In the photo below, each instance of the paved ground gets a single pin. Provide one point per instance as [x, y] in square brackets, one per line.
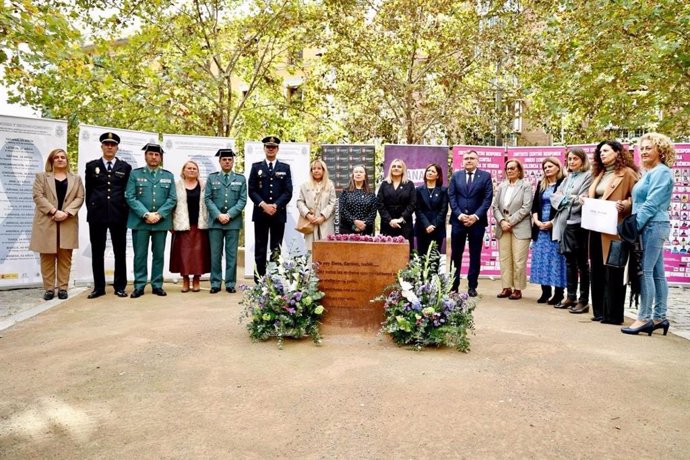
[177, 377]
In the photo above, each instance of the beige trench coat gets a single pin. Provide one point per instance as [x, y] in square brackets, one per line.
[323, 206]
[44, 229]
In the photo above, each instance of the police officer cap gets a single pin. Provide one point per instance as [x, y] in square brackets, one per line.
[109, 137]
[225, 153]
[270, 140]
[151, 147]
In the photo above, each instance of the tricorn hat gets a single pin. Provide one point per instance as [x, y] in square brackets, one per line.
[222, 153]
[151, 147]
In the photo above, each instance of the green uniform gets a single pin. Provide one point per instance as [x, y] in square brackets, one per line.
[225, 194]
[149, 192]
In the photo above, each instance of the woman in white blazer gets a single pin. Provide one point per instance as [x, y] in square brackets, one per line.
[316, 202]
[512, 209]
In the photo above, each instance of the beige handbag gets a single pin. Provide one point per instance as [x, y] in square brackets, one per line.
[304, 226]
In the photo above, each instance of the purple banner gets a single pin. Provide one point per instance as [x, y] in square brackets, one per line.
[416, 158]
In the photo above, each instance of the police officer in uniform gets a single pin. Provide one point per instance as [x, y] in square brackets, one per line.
[151, 197]
[107, 210]
[225, 198]
[270, 188]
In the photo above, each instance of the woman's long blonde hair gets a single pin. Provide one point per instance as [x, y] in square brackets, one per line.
[325, 181]
[51, 157]
[389, 179]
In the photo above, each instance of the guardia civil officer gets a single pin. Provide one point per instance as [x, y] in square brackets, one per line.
[270, 188]
[107, 211]
[225, 198]
[151, 198]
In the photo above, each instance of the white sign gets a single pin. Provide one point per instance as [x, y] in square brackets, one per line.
[600, 216]
[24, 147]
[297, 156]
[131, 143]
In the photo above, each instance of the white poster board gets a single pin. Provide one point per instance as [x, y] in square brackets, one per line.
[24, 147]
[178, 150]
[297, 156]
[130, 151]
[600, 216]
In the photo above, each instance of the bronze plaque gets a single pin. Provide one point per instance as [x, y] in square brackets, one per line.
[353, 273]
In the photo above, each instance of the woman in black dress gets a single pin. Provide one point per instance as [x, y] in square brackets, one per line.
[357, 205]
[396, 202]
[432, 208]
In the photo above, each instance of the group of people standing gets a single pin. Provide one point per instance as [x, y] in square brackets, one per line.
[205, 218]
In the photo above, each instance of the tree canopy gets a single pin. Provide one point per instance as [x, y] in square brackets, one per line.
[323, 71]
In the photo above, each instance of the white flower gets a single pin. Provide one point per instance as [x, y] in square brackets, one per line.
[407, 291]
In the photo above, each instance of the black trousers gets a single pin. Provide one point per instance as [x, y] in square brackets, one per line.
[475, 236]
[608, 289]
[263, 232]
[577, 267]
[98, 234]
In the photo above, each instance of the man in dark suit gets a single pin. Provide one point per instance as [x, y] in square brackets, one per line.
[470, 194]
[270, 188]
[107, 211]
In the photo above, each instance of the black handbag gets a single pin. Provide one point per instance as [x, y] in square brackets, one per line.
[568, 243]
[618, 254]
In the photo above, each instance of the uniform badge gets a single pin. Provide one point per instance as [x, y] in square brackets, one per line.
[98, 170]
[260, 172]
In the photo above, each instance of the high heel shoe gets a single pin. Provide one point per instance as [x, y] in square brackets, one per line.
[185, 284]
[195, 284]
[662, 325]
[647, 327]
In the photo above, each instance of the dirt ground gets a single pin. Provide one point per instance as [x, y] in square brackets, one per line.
[178, 377]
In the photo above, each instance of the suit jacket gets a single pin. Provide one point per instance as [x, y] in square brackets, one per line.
[321, 204]
[225, 197]
[181, 215]
[275, 188]
[395, 203]
[517, 212]
[44, 229]
[470, 200]
[431, 209]
[105, 192]
[619, 188]
[147, 194]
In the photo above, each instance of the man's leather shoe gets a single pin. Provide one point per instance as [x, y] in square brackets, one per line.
[565, 304]
[159, 291]
[214, 290]
[506, 292]
[579, 309]
[121, 293]
[231, 290]
[516, 295]
[472, 292]
[596, 318]
[49, 295]
[137, 293]
[62, 294]
[95, 294]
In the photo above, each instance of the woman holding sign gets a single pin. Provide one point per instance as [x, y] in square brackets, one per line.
[58, 195]
[651, 200]
[615, 174]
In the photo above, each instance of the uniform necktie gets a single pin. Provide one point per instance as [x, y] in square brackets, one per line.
[469, 179]
[270, 167]
[227, 176]
[153, 173]
[110, 166]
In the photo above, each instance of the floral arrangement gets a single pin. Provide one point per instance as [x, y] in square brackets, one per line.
[422, 310]
[285, 301]
[367, 238]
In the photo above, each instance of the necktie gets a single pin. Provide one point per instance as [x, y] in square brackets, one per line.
[469, 179]
[153, 173]
[227, 176]
[110, 166]
[270, 167]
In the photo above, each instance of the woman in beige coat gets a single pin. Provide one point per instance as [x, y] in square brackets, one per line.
[58, 195]
[316, 202]
[512, 210]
